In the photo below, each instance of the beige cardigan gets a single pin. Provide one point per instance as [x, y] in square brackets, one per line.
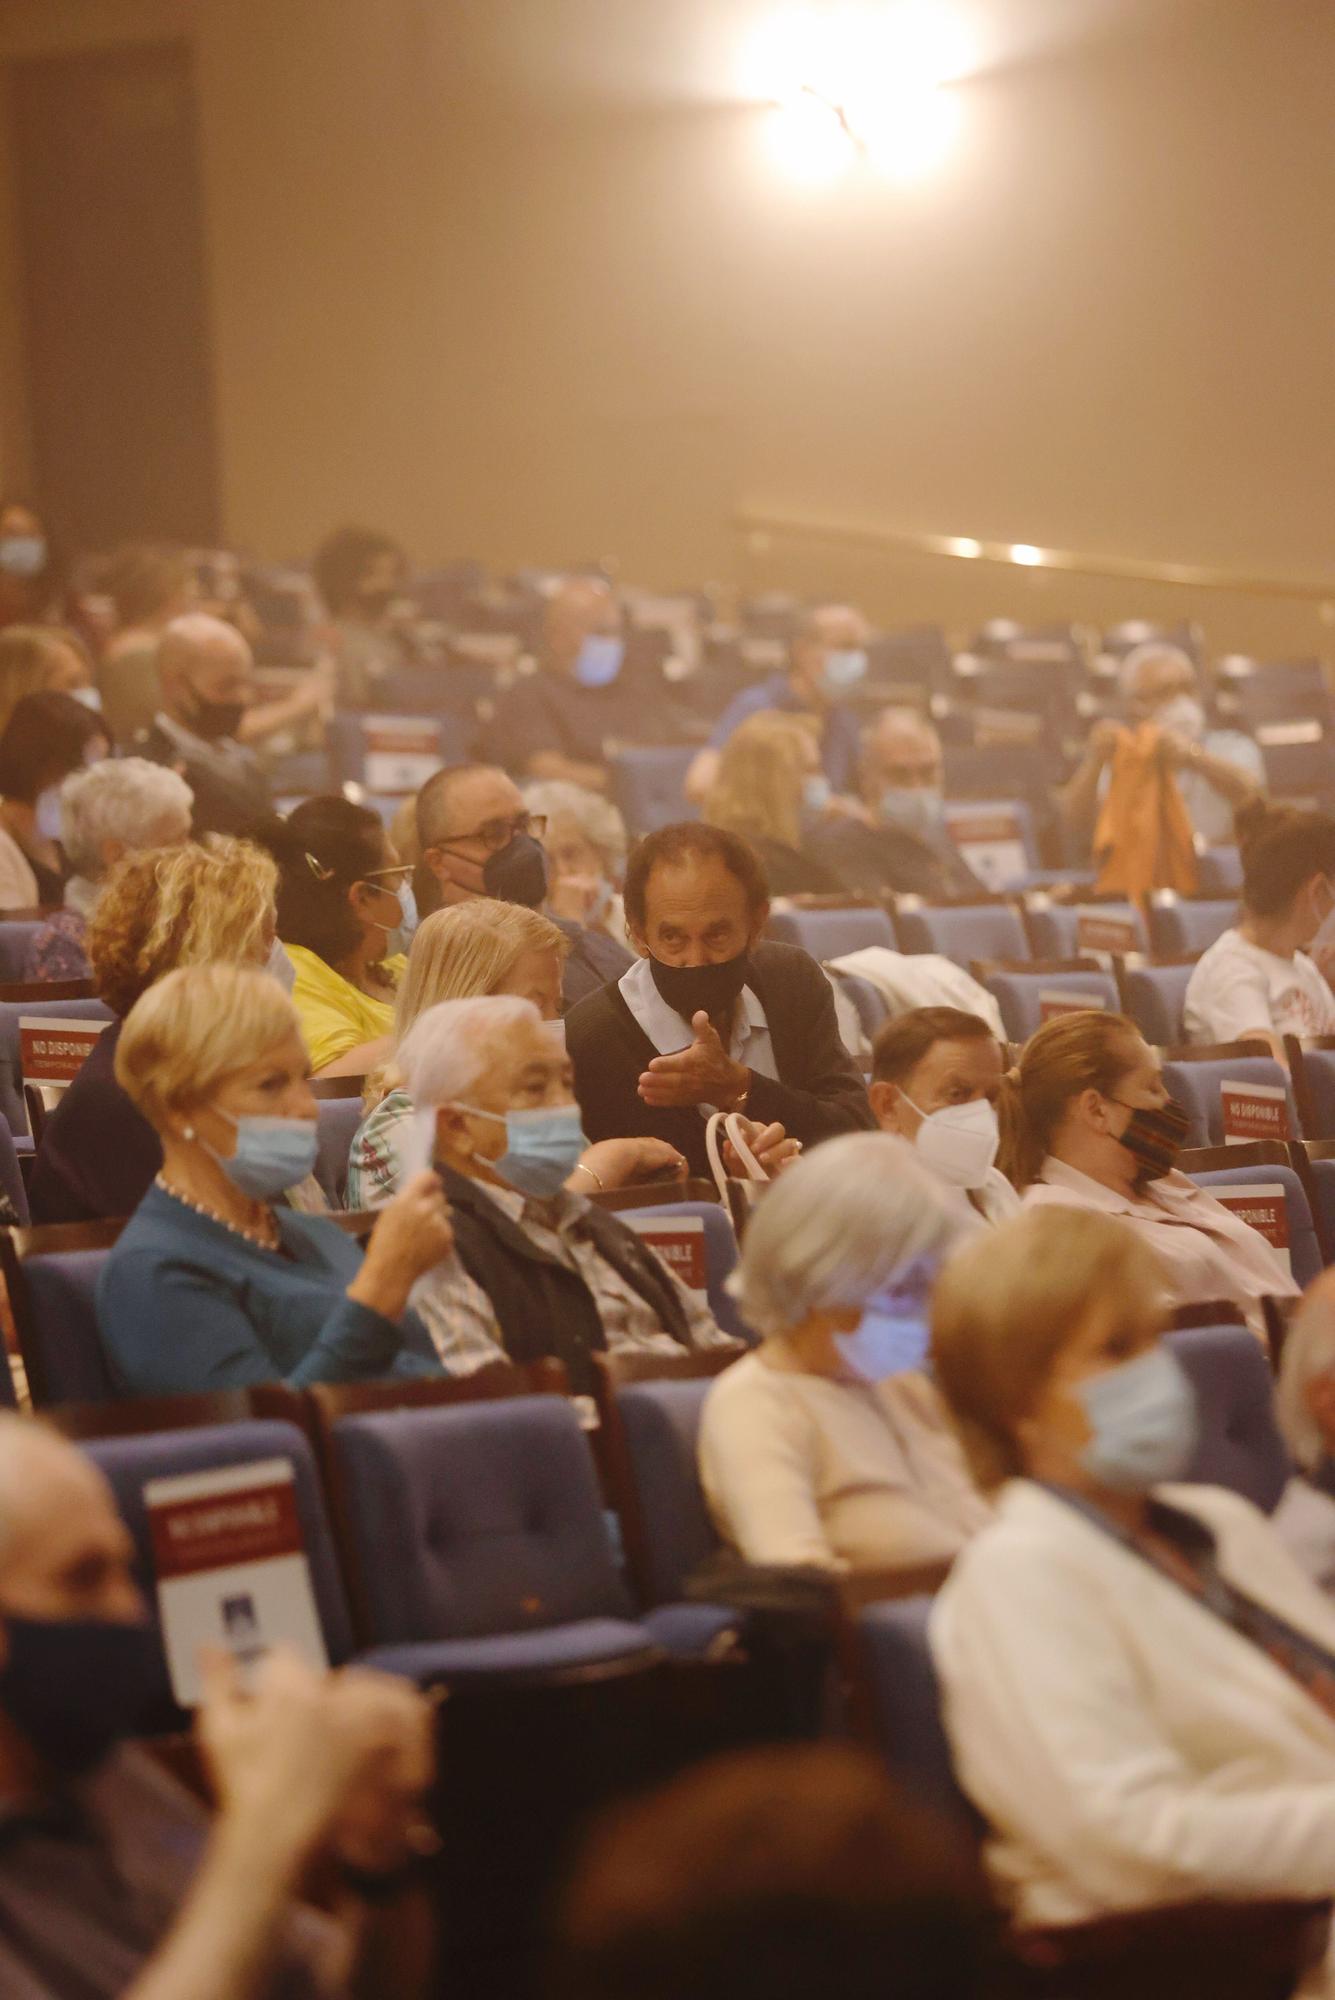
[18, 884]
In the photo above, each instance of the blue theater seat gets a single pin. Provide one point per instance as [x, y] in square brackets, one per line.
[832, 933]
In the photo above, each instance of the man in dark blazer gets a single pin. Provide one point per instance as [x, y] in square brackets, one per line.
[708, 1017]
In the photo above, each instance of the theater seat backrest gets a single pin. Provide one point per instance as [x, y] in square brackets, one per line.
[649, 788]
[1024, 997]
[720, 1252]
[661, 1422]
[475, 1519]
[1155, 997]
[832, 933]
[338, 1120]
[905, 1699]
[12, 1108]
[1240, 1445]
[1198, 1088]
[1304, 1243]
[1184, 929]
[965, 932]
[57, 1325]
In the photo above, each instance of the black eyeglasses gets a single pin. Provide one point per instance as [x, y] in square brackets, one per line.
[498, 833]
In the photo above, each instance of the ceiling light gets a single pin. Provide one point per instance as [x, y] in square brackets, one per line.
[1026, 555]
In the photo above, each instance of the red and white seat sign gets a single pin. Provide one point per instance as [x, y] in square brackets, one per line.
[1054, 1002]
[680, 1241]
[992, 843]
[1254, 1111]
[51, 1051]
[1265, 1207]
[231, 1568]
[400, 752]
[1101, 931]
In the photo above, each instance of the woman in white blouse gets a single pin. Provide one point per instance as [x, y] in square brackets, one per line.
[1265, 977]
[1138, 1680]
[1086, 1122]
[828, 1445]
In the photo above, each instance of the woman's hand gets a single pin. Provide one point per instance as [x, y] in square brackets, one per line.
[614, 1163]
[772, 1147]
[412, 1235]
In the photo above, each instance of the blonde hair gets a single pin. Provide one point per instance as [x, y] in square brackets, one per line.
[1010, 1300]
[192, 1030]
[758, 790]
[1083, 1050]
[164, 907]
[26, 659]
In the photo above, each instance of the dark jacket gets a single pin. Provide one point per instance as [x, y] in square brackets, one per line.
[541, 1306]
[877, 860]
[98, 1154]
[594, 959]
[226, 800]
[819, 1092]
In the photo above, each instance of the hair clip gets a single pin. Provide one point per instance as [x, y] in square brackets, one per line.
[321, 873]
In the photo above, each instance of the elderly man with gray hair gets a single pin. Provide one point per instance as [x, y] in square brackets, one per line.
[106, 811]
[1217, 770]
[586, 845]
[828, 1447]
[114, 1882]
[536, 1269]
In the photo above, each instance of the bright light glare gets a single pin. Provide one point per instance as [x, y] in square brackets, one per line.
[809, 140]
[912, 135]
[1026, 555]
[965, 545]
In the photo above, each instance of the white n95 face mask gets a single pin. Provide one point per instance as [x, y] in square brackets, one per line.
[958, 1144]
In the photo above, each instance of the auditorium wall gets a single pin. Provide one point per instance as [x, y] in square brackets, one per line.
[561, 325]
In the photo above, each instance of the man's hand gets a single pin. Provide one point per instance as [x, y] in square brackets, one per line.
[616, 1162]
[771, 1146]
[704, 1073]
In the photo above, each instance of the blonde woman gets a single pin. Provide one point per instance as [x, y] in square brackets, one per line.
[161, 908]
[1137, 1676]
[212, 1285]
[770, 789]
[41, 659]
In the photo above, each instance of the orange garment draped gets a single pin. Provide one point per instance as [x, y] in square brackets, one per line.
[1143, 839]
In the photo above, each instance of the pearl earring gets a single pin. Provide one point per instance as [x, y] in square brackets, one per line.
[187, 1131]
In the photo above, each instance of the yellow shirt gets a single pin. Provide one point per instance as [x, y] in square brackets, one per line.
[336, 1015]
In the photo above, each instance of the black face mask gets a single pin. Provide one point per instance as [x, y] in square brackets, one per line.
[1154, 1137]
[517, 872]
[75, 1687]
[688, 988]
[215, 719]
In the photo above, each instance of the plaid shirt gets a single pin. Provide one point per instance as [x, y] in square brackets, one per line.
[465, 1332]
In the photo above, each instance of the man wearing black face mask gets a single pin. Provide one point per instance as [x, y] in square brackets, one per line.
[710, 1018]
[207, 678]
[112, 1882]
[477, 839]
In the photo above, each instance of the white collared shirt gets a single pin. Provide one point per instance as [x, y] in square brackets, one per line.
[668, 1031]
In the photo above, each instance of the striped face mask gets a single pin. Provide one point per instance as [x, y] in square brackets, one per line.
[1154, 1136]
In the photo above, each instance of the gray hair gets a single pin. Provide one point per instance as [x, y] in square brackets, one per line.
[596, 817]
[1309, 1351]
[447, 1048]
[122, 798]
[1140, 656]
[835, 1228]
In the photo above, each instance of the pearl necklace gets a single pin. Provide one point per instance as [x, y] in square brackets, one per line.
[266, 1237]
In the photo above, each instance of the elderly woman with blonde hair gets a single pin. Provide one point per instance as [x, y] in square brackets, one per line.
[213, 1284]
[1137, 1675]
[828, 1446]
[161, 908]
[474, 948]
[770, 789]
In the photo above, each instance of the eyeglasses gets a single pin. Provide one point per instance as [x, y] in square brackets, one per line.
[388, 877]
[498, 833]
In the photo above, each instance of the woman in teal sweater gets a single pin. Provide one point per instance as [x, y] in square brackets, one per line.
[212, 1287]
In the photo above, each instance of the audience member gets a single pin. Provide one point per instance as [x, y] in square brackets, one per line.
[478, 839]
[561, 721]
[586, 855]
[771, 790]
[206, 675]
[537, 1269]
[779, 1873]
[901, 843]
[339, 914]
[114, 1883]
[40, 659]
[1257, 982]
[1216, 770]
[47, 737]
[936, 1077]
[1305, 1410]
[1137, 1677]
[362, 575]
[827, 661]
[149, 586]
[709, 1017]
[1086, 1122]
[160, 908]
[105, 812]
[212, 1285]
[31, 574]
[827, 1446]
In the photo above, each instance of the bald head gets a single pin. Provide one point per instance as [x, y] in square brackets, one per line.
[206, 671]
[64, 1551]
[581, 607]
[901, 749]
[829, 651]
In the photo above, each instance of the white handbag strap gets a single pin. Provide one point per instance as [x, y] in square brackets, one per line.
[732, 1129]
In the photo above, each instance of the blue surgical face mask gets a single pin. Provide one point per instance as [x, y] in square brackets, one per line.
[893, 1334]
[817, 792]
[91, 697]
[46, 813]
[272, 1154]
[919, 809]
[1145, 1422]
[599, 659]
[845, 666]
[400, 940]
[542, 1147]
[280, 967]
[22, 555]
